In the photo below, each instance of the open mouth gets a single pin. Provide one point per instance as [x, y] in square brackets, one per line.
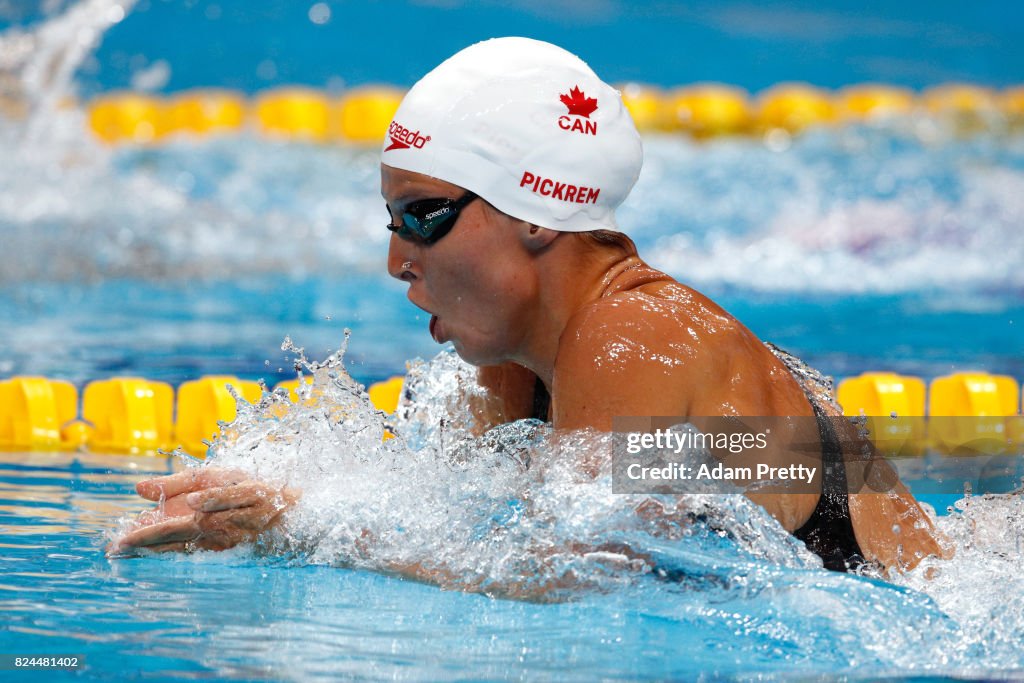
[433, 321]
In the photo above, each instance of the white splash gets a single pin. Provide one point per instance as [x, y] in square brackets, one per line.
[982, 587]
[516, 512]
[37, 69]
[854, 210]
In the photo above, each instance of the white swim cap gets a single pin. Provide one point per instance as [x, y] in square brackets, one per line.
[525, 125]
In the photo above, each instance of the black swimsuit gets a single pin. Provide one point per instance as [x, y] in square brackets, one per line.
[541, 401]
[829, 531]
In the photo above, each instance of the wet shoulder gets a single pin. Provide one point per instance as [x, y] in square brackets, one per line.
[687, 353]
[644, 310]
[654, 331]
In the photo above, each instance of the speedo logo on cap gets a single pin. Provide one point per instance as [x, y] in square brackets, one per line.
[403, 138]
[580, 108]
[556, 189]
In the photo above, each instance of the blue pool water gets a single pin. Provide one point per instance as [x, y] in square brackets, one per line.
[859, 249]
[174, 332]
[170, 45]
[236, 616]
[891, 248]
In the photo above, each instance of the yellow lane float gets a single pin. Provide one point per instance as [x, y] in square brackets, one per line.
[960, 98]
[894, 406]
[203, 111]
[385, 395]
[129, 117]
[793, 107]
[128, 415]
[967, 108]
[365, 113]
[647, 106]
[362, 115]
[32, 412]
[873, 102]
[293, 113]
[709, 109]
[1012, 103]
[969, 413]
[204, 402]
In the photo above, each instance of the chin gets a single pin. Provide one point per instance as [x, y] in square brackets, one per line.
[475, 355]
[470, 358]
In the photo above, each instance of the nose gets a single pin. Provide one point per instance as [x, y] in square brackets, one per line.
[402, 261]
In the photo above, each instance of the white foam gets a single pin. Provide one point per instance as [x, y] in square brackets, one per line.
[516, 512]
[982, 586]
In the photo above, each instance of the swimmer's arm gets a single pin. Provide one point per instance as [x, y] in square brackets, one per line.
[891, 527]
[893, 530]
[541, 584]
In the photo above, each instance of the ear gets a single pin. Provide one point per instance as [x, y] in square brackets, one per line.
[536, 238]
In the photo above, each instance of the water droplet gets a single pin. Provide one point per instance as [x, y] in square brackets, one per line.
[320, 13]
[266, 70]
[777, 140]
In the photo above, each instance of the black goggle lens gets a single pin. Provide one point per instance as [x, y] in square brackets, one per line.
[430, 219]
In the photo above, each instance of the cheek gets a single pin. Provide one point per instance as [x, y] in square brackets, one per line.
[465, 278]
[477, 284]
[482, 310]
[490, 291]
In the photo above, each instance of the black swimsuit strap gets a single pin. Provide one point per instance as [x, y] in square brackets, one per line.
[829, 531]
[541, 401]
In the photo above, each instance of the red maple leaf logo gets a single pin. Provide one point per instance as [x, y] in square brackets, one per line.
[578, 103]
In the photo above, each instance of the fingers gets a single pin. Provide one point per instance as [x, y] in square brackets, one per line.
[171, 530]
[245, 494]
[241, 495]
[167, 486]
[245, 521]
[202, 531]
[179, 547]
[174, 507]
[192, 479]
[226, 511]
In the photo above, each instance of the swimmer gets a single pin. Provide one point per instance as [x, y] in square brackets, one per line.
[502, 171]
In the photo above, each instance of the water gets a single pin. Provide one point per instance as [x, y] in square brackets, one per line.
[265, 43]
[868, 248]
[721, 592]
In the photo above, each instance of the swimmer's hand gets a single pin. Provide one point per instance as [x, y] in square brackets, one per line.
[206, 508]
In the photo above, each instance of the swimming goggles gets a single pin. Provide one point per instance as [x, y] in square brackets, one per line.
[430, 219]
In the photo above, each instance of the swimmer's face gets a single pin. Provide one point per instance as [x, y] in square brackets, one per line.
[476, 281]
